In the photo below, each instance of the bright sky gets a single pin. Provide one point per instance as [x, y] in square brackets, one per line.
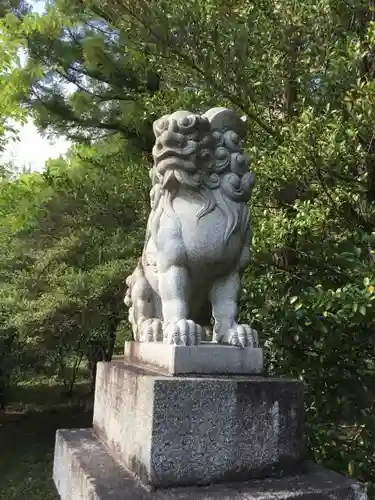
[33, 150]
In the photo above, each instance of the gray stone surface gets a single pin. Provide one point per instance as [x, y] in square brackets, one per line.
[206, 358]
[198, 234]
[198, 430]
[84, 470]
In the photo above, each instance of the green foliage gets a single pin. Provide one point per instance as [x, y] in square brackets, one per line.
[76, 232]
[15, 6]
[318, 325]
[10, 83]
[107, 88]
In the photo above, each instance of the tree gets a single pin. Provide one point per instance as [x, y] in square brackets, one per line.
[10, 84]
[77, 236]
[17, 6]
[89, 80]
[12, 196]
[69, 47]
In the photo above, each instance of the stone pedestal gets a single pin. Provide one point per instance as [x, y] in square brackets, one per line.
[207, 358]
[198, 430]
[85, 470]
[204, 436]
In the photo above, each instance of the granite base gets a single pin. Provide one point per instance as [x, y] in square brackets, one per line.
[178, 431]
[84, 470]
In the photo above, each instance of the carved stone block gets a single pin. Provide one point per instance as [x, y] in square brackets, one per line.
[173, 431]
[206, 358]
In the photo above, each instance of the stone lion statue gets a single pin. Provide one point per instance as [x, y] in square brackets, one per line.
[198, 233]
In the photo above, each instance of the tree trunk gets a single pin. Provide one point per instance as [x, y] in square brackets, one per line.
[101, 351]
[3, 389]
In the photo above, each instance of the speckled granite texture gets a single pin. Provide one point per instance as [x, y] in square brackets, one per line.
[84, 470]
[177, 431]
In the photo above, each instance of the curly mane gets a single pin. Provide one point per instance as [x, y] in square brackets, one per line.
[204, 153]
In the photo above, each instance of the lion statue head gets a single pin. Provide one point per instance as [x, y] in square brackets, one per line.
[183, 150]
[204, 153]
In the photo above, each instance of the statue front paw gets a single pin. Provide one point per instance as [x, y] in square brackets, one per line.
[241, 336]
[151, 330]
[182, 332]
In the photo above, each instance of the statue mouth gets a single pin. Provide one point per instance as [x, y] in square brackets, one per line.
[169, 181]
[176, 163]
[175, 178]
[160, 154]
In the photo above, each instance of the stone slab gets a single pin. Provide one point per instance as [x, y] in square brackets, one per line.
[84, 470]
[175, 431]
[206, 358]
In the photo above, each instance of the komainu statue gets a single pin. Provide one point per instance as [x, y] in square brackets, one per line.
[198, 233]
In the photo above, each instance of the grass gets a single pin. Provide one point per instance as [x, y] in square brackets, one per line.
[27, 434]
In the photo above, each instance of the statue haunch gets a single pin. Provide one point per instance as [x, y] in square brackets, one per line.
[198, 233]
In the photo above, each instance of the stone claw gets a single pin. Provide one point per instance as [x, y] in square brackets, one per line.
[152, 330]
[243, 336]
[183, 332]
